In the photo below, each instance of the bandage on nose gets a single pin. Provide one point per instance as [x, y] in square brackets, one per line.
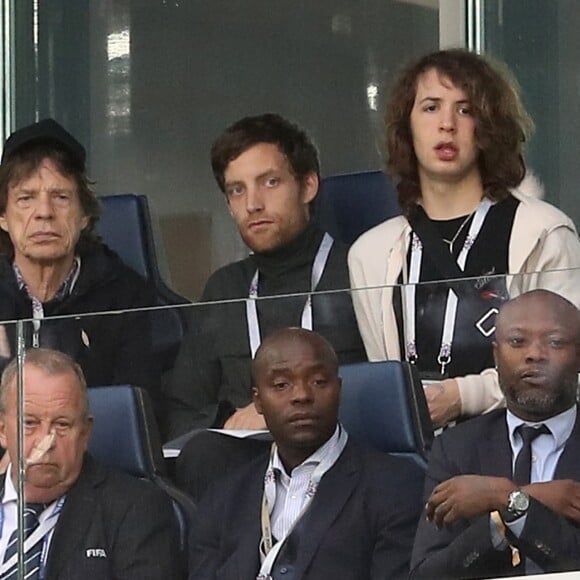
[40, 449]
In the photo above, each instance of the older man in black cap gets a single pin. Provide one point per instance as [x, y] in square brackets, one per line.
[52, 263]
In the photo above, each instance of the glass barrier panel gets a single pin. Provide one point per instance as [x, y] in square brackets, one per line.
[199, 376]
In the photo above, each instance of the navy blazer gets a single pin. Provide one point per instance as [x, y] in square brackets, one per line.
[360, 525]
[113, 526]
[464, 550]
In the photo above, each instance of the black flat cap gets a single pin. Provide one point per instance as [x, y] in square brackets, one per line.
[49, 131]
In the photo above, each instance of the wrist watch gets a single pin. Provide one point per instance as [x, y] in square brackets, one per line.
[517, 506]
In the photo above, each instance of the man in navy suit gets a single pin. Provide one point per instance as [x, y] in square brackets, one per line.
[483, 516]
[317, 506]
[91, 522]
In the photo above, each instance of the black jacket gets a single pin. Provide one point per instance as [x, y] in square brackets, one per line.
[111, 349]
[481, 446]
[113, 526]
[212, 372]
[360, 525]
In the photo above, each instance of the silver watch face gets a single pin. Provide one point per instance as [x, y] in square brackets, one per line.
[518, 502]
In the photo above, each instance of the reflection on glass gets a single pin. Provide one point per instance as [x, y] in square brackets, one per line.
[119, 74]
[372, 94]
[164, 78]
[35, 38]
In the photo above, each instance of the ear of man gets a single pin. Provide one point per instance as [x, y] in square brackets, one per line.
[257, 401]
[3, 440]
[310, 187]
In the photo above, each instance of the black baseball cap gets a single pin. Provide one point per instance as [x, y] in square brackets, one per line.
[49, 131]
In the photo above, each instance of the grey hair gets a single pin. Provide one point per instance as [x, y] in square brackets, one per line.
[52, 362]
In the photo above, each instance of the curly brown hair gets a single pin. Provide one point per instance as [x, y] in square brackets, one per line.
[24, 162]
[502, 124]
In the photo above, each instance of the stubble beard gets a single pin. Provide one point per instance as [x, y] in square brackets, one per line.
[543, 404]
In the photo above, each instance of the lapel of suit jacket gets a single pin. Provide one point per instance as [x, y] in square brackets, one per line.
[74, 519]
[568, 465]
[495, 454]
[250, 531]
[334, 490]
[242, 525]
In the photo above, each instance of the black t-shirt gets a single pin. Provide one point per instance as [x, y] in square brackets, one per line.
[487, 263]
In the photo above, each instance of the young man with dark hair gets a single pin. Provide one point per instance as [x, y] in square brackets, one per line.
[455, 130]
[268, 169]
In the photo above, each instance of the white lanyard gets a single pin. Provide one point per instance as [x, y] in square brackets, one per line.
[42, 532]
[318, 266]
[268, 550]
[450, 317]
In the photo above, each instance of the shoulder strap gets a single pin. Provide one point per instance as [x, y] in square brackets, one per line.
[435, 249]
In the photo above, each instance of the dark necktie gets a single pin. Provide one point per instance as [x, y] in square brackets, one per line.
[32, 512]
[523, 463]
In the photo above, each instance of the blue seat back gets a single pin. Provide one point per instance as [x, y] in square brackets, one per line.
[119, 437]
[383, 406]
[123, 226]
[125, 437]
[348, 205]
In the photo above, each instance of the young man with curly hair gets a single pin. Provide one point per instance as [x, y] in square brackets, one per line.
[455, 129]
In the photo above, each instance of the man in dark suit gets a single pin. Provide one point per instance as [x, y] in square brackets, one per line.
[87, 521]
[317, 506]
[483, 516]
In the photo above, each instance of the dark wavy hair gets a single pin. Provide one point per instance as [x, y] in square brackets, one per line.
[292, 141]
[502, 124]
[24, 162]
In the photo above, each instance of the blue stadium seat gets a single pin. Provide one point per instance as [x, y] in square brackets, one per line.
[125, 436]
[348, 205]
[122, 435]
[125, 226]
[383, 406]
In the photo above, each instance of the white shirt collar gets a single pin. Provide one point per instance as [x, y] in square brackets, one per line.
[560, 425]
[313, 460]
[9, 489]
